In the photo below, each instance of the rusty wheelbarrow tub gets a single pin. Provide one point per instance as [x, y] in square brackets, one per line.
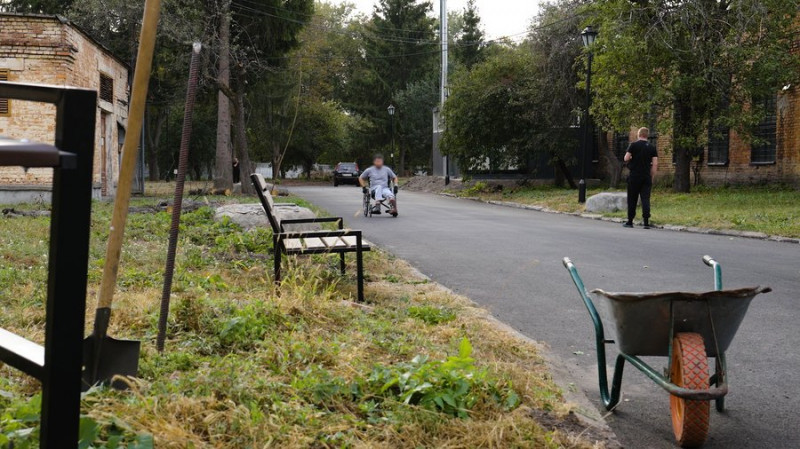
[686, 327]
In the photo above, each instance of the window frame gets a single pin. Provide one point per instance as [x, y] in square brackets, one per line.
[618, 138]
[766, 130]
[5, 74]
[100, 89]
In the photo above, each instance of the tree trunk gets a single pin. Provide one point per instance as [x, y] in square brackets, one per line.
[567, 173]
[242, 151]
[154, 138]
[612, 163]
[683, 158]
[223, 173]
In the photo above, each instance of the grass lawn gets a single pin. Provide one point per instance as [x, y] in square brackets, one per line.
[252, 365]
[772, 210]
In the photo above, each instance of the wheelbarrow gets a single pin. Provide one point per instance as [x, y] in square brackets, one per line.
[688, 328]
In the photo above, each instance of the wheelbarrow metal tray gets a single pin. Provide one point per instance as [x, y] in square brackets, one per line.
[643, 319]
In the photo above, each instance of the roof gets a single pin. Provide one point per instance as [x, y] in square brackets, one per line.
[69, 23]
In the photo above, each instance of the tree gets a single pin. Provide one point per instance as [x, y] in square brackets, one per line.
[469, 44]
[37, 6]
[489, 121]
[414, 124]
[680, 61]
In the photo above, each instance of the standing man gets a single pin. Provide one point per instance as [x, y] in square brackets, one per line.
[642, 159]
[377, 179]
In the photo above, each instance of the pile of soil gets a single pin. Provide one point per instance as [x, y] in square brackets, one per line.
[433, 184]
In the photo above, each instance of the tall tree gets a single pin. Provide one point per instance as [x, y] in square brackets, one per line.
[680, 60]
[470, 42]
[37, 6]
[223, 169]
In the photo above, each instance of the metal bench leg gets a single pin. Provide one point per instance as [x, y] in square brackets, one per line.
[277, 259]
[341, 263]
[360, 268]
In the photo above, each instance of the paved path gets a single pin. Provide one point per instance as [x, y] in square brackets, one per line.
[509, 261]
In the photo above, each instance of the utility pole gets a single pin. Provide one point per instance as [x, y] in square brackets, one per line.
[443, 37]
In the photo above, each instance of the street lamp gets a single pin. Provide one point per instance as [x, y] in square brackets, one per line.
[588, 35]
[391, 114]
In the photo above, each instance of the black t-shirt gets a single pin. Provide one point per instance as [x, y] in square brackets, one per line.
[642, 154]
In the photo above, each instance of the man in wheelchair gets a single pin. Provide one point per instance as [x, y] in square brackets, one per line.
[377, 181]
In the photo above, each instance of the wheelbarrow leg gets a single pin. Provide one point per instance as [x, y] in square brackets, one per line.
[719, 378]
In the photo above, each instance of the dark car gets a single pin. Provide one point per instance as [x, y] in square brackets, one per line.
[346, 173]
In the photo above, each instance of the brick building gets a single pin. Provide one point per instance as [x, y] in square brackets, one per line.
[728, 158]
[50, 50]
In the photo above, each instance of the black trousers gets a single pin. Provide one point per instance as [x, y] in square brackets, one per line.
[639, 186]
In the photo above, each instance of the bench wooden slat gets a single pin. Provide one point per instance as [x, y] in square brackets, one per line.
[333, 242]
[312, 243]
[293, 244]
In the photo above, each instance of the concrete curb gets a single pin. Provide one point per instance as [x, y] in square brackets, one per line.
[678, 228]
[585, 411]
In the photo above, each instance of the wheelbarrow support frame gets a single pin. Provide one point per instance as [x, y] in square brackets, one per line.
[611, 397]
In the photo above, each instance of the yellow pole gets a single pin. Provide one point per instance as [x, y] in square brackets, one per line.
[130, 150]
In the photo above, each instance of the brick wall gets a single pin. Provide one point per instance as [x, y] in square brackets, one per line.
[739, 169]
[43, 49]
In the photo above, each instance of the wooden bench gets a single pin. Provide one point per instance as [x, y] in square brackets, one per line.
[288, 242]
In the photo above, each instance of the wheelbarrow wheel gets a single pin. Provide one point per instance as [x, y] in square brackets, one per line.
[689, 370]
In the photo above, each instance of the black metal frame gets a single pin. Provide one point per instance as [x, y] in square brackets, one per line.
[280, 234]
[59, 368]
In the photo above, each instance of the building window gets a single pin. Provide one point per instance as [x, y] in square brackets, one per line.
[719, 139]
[621, 143]
[652, 120]
[106, 88]
[762, 151]
[5, 103]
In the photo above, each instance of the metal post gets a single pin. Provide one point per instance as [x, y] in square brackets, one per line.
[393, 163]
[443, 36]
[67, 272]
[177, 203]
[587, 134]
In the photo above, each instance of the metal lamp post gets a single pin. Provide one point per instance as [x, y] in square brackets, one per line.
[391, 110]
[588, 35]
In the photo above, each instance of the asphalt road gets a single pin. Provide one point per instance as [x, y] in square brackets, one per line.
[509, 261]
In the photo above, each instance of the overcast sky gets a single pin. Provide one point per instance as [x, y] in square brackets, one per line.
[499, 17]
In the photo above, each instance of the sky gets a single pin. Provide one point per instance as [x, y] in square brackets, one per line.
[499, 17]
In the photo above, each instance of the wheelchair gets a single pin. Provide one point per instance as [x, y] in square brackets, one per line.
[373, 207]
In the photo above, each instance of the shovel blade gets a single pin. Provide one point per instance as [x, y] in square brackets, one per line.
[106, 357]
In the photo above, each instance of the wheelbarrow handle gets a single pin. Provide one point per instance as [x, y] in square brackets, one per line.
[708, 260]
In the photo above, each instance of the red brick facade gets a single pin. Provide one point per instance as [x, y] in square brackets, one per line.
[50, 50]
[741, 167]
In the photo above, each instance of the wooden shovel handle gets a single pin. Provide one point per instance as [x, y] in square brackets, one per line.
[130, 150]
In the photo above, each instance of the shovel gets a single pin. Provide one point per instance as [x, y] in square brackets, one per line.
[105, 357]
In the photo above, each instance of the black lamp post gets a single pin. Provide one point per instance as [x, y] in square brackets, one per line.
[588, 35]
[391, 114]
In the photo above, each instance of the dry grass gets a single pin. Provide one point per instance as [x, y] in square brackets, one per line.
[249, 364]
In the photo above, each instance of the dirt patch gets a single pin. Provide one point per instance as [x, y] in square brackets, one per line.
[571, 426]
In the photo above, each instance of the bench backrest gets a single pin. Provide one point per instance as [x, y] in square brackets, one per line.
[262, 190]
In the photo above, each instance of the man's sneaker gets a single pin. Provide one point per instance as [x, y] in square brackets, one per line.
[627, 224]
[646, 224]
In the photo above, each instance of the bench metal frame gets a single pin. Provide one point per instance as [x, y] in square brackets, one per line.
[58, 363]
[280, 235]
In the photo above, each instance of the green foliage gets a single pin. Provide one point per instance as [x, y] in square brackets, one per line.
[19, 428]
[431, 314]
[453, 386]
[681, 62]
[476, 189]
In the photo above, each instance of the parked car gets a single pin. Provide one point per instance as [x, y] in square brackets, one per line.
[346, 173]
